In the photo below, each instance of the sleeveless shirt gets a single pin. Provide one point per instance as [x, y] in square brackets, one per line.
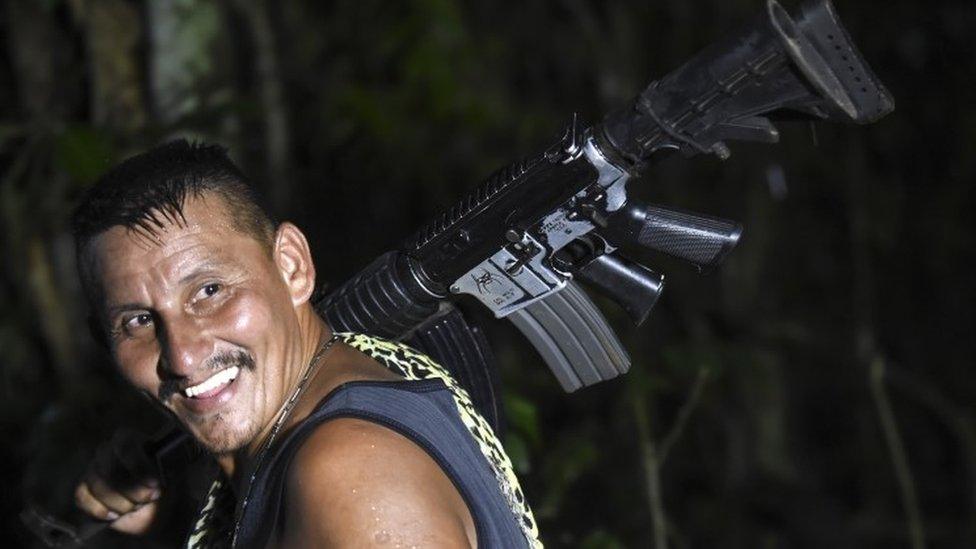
[430, 409]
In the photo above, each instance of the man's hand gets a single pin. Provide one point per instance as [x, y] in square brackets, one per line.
[354, 483]
[121, 485]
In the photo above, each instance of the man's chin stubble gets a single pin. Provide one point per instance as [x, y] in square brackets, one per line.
[219, 439]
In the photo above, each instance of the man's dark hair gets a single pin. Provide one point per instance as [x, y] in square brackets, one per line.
[149, 190]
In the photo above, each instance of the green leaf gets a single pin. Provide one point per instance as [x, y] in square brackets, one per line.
[572, 455]
[690, 358]
[601, 539]
[83, 153]
[518, 452]
[523, 416]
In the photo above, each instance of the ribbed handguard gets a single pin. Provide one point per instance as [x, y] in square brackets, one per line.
[384, 300]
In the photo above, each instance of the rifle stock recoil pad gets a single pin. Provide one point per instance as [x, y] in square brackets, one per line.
[818, 21]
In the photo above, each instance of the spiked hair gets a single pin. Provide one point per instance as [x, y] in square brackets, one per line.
[149, 190]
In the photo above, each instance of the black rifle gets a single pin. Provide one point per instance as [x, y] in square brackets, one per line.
[518, 242]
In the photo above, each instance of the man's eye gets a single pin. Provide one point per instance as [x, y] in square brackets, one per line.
[209, 290]
[138, 321]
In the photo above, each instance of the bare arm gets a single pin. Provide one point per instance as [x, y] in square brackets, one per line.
[358, 484]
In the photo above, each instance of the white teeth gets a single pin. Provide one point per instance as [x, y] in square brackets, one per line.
[222, 377]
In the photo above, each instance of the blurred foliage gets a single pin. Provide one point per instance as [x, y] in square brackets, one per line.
[857, 244]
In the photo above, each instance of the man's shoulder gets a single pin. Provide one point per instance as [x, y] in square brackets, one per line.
[352, 479]
[344, 443]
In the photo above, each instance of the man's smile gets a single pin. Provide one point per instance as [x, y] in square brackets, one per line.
[212, 393]
[212, 385]
[206, 395]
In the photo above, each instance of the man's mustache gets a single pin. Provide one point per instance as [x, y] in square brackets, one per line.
[219, 361]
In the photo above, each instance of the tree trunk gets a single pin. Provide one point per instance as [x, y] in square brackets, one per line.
[113, 32]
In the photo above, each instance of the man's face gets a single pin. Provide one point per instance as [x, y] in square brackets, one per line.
[201, 319]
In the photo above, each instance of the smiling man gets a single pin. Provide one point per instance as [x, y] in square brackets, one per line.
[323, 439]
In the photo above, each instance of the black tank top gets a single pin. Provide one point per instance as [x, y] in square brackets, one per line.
[429, 409]
[422, 411]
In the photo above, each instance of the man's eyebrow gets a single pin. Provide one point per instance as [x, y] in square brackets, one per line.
[116, 309]
[202, 268]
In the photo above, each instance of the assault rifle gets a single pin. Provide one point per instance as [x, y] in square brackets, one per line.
[519, 242]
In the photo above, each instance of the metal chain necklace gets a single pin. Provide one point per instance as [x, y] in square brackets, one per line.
[279, 423]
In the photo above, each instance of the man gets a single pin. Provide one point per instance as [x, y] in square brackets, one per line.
[204, 304]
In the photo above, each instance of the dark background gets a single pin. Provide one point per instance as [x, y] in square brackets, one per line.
[815, 392]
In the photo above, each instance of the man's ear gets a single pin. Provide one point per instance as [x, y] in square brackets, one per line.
[294, 261]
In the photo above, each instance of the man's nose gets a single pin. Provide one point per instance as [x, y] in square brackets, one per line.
[185, 346]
